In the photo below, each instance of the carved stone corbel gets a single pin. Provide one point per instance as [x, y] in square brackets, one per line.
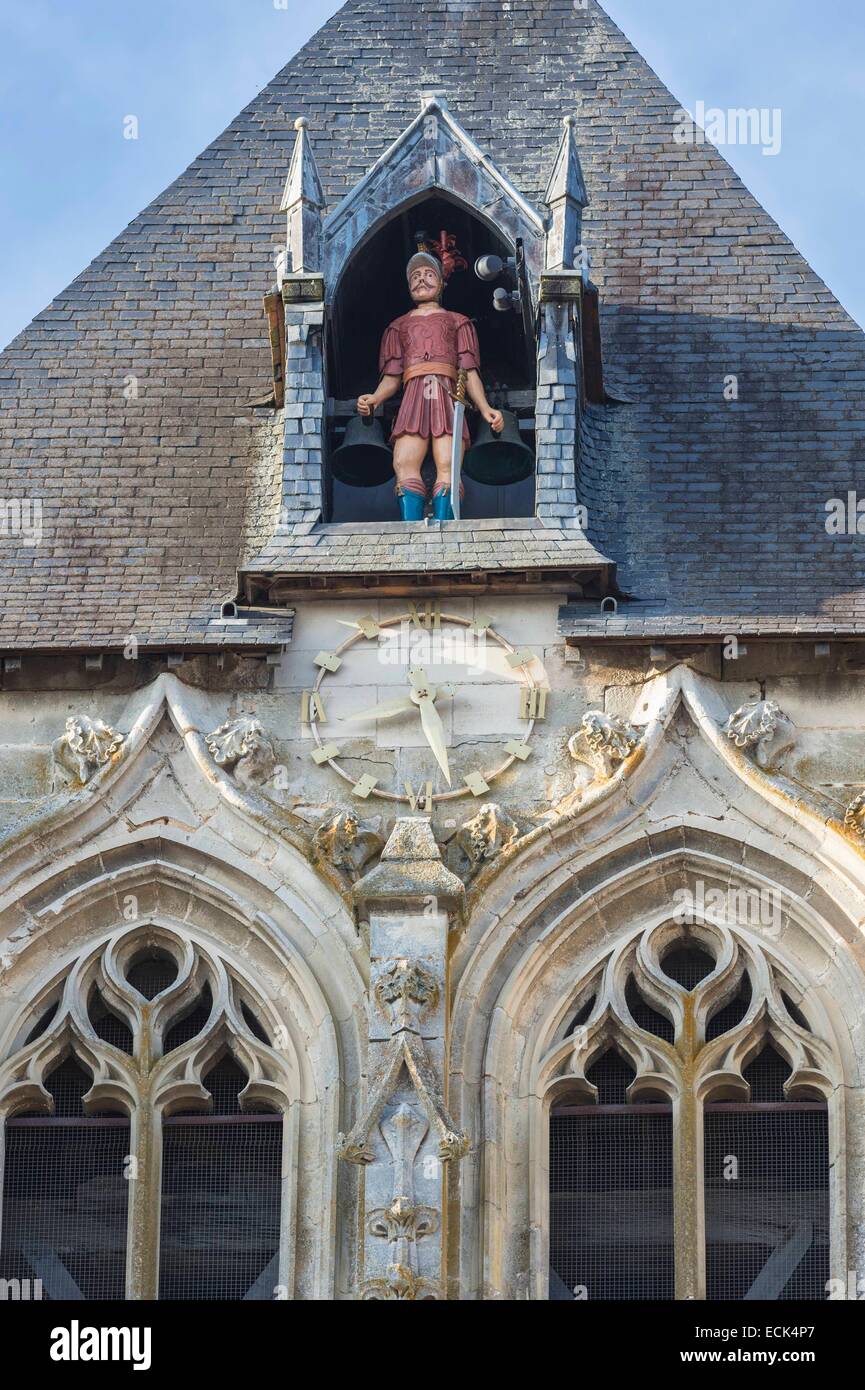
[85, 747]
[486, 836]
[241, 747]
[762, 727]
[346, 843]
[602, 741]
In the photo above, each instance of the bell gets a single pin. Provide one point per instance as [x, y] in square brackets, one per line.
[499, 459]
[363, 459]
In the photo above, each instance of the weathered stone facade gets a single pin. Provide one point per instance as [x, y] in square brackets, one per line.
[412, 971]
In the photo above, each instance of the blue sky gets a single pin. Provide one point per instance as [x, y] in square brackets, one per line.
[70, 72]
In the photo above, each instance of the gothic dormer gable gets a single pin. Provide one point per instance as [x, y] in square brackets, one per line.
[433, 154]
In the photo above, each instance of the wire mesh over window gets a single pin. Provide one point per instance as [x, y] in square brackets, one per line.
[151, 972]
[688, 964]
[189, 1025]
[732, 1013]
[611, 1194]
[221, 1190]
[767, 1192]
[65, 1196]
[644, 1015]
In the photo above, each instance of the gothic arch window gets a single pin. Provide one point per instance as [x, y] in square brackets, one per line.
[371, 293]
[143, 1098]
[65, 1196]
[689, 1140]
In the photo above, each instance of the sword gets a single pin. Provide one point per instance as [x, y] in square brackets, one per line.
[459, 399]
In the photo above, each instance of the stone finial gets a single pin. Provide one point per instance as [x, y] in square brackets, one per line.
[410, 871]
[761, 725]
[566, 197]
[303, 202]
[85, 747]
[602, 741]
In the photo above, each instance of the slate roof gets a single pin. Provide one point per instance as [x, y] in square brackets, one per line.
[710, 508]
[458, 546]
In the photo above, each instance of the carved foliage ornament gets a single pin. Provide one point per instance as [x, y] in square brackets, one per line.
[85, 747]
[402, 1223]
[404, 989]
[241, 744]
[602, 741]
[346, 842]
[762, 726]
[486, 835]
[854, 816]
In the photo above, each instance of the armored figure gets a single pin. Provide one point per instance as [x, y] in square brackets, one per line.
[424, 352]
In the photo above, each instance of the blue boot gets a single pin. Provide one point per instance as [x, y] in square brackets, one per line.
[411, 505]
[442, 509]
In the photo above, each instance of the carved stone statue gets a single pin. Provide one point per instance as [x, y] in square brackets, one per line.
[423, 351]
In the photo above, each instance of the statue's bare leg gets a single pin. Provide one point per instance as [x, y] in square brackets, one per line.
[442, 454]
[409, 452]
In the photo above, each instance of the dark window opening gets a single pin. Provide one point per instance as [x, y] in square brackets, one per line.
[151, 972]
[767, 1192]
[687, 964]
[221, 1198]
[41, 1026]
[732, 1013]
[795, 1012]
[581, 1016]
[189, 1025]
[645, 1016]
[612, 1075]
[611, 1198]
[371, 294]
[65, 1197]
[108, 1025]
[255, 1027]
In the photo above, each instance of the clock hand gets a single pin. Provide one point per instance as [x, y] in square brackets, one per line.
[423, 694]
[386, 711]
[435, 734]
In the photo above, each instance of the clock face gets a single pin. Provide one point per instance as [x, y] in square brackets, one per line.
[448, 701]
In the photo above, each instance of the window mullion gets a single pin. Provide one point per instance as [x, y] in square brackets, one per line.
[689, 1210]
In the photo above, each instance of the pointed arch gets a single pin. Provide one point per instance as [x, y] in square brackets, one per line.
[533, 957]
[259, 953]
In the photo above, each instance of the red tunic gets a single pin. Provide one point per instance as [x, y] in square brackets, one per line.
[426, 407]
